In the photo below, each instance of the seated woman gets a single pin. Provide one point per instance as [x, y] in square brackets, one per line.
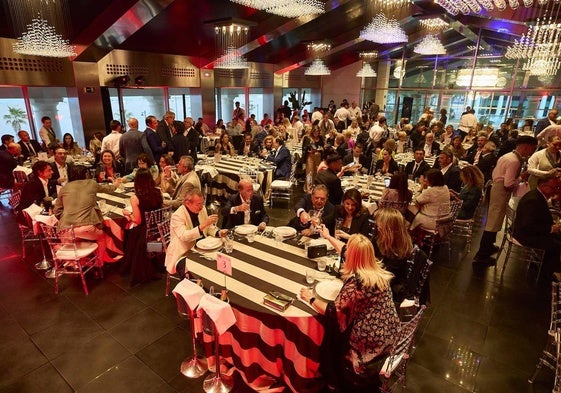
[168, 175]
[146, 198]
[70, 146]
[471, 192]
[401, 144]
[470, 138]
[394, 246]
[397, 191]
[144, 161]
[362, 321]
[446, 136]
[108, 169]
[352, 218]
[457, 149]
[224, 146]
[433, 202]
[387, 164]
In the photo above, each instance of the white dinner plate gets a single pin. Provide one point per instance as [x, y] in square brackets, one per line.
[329, 289]
[246, 229]
[209, 243]
[285, 231]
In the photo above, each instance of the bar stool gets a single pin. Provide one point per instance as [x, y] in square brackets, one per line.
[188, 295]
[218, 317]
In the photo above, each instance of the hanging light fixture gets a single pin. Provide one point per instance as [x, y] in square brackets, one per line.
[367, 71]
[317, 67]
[286, 8]
[229, 38]
[433, 25]
[384, 31]
[430, 45]
[454, 7]
[41, 39]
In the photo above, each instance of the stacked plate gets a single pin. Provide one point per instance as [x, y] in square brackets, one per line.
[245, 229]
[285, 232]
[209, 243]
[329, 289]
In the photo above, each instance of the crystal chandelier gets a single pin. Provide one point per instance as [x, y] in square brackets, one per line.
[228, 39]
[41, 39]
[433, 24]
[430, 45]
[476, 6]
[366, 71]
[286, 8]
[383, 31]
[317, 68]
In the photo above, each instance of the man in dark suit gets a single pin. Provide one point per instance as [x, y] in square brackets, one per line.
[6, 140]
[318, 201]
[249, 148]
[63, 171]
[166, 129]
[8, 162]
[430, 146]
[450, 171]
[39, 186]
[157, 146]
[331, 179]
[418, 166]
[487, 160]
[549, 120]
[355, 161]
[131, 144]
[281, 158]
[245, 207]
[474, 152]
[192, 135]
[29, 147]
[534, 227]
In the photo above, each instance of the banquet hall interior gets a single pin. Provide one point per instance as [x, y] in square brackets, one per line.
[481, 332]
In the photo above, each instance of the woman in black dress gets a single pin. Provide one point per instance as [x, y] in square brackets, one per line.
[351, 217]
[146, 198]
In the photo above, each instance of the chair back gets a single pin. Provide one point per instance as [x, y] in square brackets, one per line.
[20, 177]
[398, 205]
[455, 207]
[164, 231]
[555, 322]
[402, 345]
[182, 306]
[418, 271]
[153, 218]
[61, 242]
[15, 200]
[510, 215]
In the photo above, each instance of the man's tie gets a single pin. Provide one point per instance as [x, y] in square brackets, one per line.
[415, 168]
[31, 149]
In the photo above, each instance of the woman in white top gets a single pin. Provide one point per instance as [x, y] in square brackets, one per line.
[434, 200]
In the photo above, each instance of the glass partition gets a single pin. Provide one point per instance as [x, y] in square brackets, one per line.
[13, 112]
[138, 103]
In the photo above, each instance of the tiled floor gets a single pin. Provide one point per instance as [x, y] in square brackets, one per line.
[480, 334]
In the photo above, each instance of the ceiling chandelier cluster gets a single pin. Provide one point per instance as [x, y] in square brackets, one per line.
[36, 22]
[540, 46]
[454, 7]
[229, 38]
[430, 45]
[367, 71]
[316, 50]
[286, 8]
[41, 39]
[384, 31]
[433, 25]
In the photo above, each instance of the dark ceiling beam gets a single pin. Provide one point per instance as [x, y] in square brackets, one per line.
[114, 25]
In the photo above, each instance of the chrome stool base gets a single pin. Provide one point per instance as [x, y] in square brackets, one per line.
[194, 367]
[52, 273]
[43, 265]
[218, 384]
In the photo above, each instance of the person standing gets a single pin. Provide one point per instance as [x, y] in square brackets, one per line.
[166, 129]
[506, 178]
[111, 141]
[157, 146]
[47, 134]
[131, 144]
[331, 178]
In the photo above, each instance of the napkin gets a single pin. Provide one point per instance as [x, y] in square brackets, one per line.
[191, 292]
[33, 210]
[49, 220]
[219, 311]
[23, 169]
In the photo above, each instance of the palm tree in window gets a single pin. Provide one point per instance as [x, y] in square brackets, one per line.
[15, 118]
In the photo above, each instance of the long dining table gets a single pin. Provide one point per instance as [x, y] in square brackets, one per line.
[272, 350]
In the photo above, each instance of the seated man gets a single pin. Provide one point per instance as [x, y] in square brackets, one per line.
[189, 223]
[316, 201]
[534, 227]
[249, 148]
[8, 162]
[450, 171]
[281, 158]
[76, 205]
[188, 179]
[355, 161]
[418, 166]
[331, 178]
[245, 207]
[38, 186]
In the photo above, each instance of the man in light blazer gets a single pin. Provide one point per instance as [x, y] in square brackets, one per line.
[189, 179]
[189, 223]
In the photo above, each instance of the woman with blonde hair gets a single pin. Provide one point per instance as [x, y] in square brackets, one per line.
[361, 322]
[394, 247]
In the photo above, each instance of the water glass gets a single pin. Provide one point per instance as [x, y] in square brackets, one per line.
[228, 245]
[322, 264]
[278, 239]
[102, 205]
[310, 276]
[251, 237]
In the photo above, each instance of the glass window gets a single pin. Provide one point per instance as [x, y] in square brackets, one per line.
[260, 102]
[61, 105]
[180, 102]
[305, 95]
[13, 112]
[225, 99]
[138, 103]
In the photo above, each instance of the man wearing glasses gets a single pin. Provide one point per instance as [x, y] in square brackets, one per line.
[534, 225]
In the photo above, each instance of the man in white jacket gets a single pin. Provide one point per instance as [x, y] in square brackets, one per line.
[189, 223]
